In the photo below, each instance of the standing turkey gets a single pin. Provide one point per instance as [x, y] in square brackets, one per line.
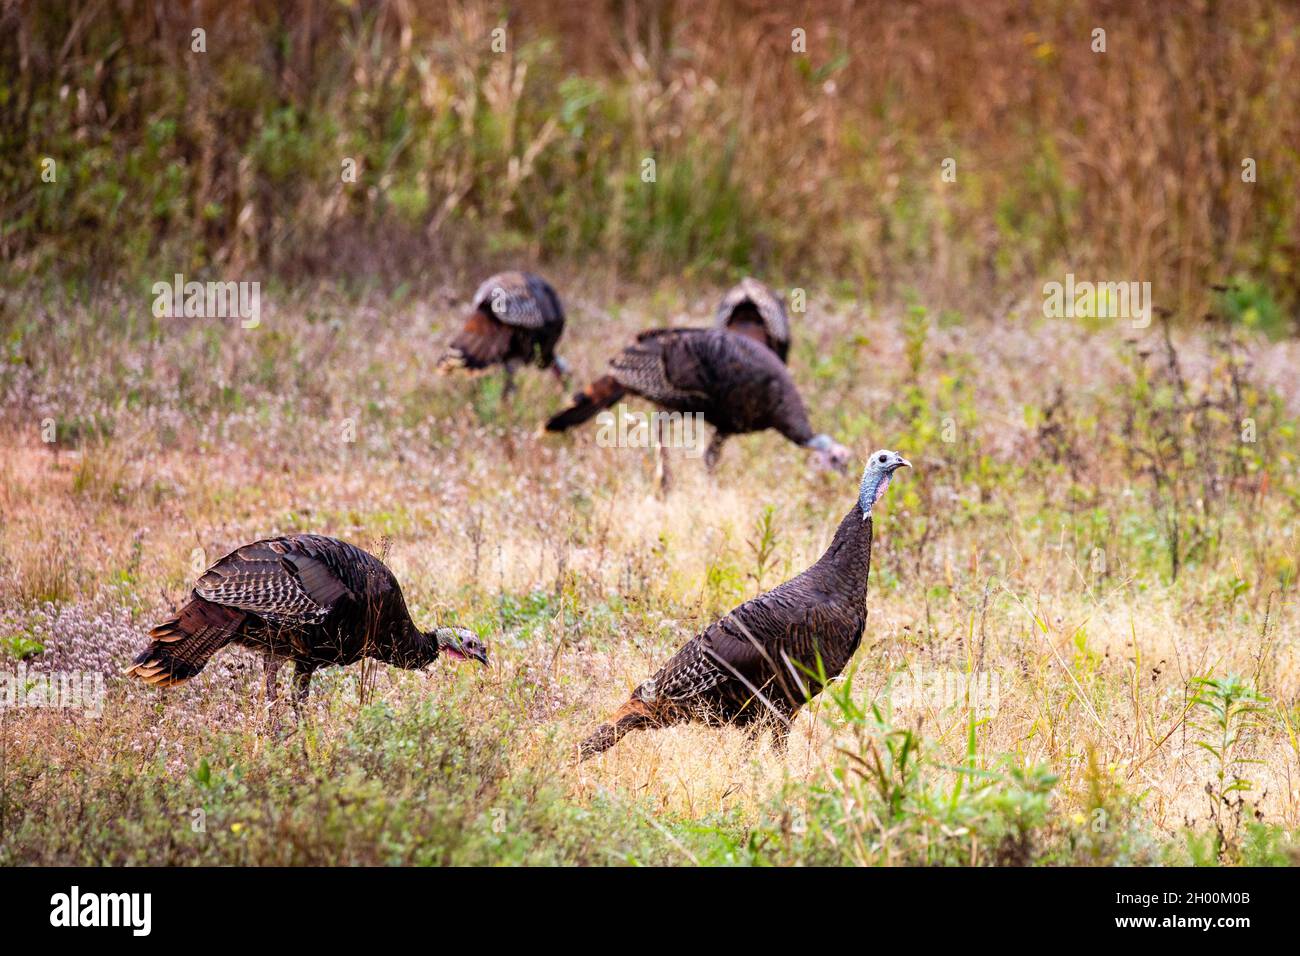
[751, 308]
[303, 597]
[738, 385]
[758, 661]
[516, 319]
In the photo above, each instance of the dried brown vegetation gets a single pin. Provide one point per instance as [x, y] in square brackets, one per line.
[1127, 163]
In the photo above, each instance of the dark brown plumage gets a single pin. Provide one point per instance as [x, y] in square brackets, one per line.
[516, 319]
[752, 309]
[304, 597]
[771, 655]
[738, 385]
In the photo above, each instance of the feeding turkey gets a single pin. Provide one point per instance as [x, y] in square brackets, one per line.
[305, 598]
[752, 309]
[738, 385]
[516, 319]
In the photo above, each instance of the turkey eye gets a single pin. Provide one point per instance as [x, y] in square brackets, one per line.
[882, 459]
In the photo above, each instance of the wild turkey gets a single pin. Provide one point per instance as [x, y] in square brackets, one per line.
[752, 309]
[758, 662]
[517, 319]
[302, 597]
[737, 384]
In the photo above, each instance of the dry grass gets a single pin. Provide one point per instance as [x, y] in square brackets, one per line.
[1125, 164]
[583, 581]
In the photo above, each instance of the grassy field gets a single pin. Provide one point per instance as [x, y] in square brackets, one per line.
[1100, 535]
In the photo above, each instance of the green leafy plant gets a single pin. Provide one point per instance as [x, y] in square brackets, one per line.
[891, 798]
[763, 545]
[1228, 712]
[20, 646]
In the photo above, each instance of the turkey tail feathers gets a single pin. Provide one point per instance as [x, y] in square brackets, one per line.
[600, 394]
[482, 342]
[183, 645]
[633, 715]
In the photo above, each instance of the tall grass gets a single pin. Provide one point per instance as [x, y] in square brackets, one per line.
[1122, 164]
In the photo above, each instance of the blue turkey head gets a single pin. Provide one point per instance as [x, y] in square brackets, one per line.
[876, 476]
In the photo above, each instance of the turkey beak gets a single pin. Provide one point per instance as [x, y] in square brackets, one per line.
[903, 462]
[480, 654]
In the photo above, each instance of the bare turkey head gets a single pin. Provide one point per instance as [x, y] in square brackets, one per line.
[830, 454]
[461, 644]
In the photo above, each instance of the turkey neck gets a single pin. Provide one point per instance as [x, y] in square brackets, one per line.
[410, 649]
[792, 417]
[849, 556]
